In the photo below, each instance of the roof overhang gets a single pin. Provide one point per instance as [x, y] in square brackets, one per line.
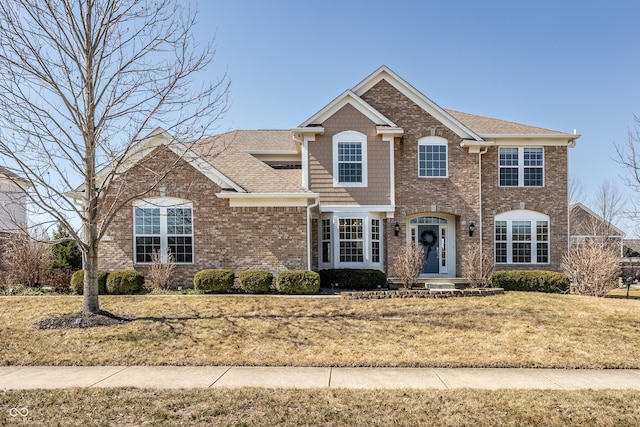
[503, 140]
[348, 98]
[242, 200]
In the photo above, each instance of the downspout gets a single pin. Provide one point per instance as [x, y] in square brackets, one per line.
[309, 207]
[480, 153]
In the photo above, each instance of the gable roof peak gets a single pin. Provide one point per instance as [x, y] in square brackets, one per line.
[439, 113]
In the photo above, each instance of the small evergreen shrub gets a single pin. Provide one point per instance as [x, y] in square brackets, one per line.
[218, 280]
[298, 282]
[77, 282]
[530, 281]
[255, 281]
[349, 278]
[124, 282]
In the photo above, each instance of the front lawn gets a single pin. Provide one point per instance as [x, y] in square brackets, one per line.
[512, 330]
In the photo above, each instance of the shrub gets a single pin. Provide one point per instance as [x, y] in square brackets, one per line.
[124, 282]
[530, 281]
[219, 280]
[593, 268]
[298, 282]
[59, 279]
[348, 278]
[161, 270]
[28, 261]
[255, 281]
[77, 282]
[477, 267]
[408, 264]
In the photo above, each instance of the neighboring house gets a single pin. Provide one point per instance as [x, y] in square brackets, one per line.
[13, 204]
[378, 167]
[585, 224]
[13, 207]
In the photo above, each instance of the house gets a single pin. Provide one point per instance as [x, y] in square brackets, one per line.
[13, 207]
[585, 224]
[378, 167]
[13, 203]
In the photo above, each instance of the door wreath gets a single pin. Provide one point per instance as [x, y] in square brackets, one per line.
[428, 239]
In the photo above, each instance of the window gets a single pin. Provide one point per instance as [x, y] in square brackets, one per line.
[351, 240]
[432, 157]
[522, 241]
[163, 229]
[521, 167]
[326, 240]
[349, 159]
[375, 240]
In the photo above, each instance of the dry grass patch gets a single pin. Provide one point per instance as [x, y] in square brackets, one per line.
[513, 330]
[322, 407]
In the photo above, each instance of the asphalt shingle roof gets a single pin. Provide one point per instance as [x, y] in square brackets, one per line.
[488, 126]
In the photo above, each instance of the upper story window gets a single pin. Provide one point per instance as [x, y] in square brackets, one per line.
[163, 226]
[521, 166]
[432, 157]
[349, 159]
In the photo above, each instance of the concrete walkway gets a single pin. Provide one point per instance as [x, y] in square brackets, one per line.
[163, 377]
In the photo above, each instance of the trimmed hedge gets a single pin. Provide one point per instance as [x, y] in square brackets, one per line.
[218, 280]
[298, 282]
[530, 281]
[255, 281]
[77, 282]
[349, 278]
[124, 282]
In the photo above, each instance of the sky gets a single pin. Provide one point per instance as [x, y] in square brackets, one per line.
[563, 65]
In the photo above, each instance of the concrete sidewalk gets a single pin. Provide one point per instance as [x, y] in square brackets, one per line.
[163, 377]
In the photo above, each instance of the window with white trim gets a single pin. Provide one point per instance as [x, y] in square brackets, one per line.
[163, 229]
[521, 166]
[432, 157]
[351, 240]
[349, 159]
[521, 237]
[375, 240]
[326, 240]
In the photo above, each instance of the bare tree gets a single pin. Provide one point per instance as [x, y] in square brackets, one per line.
[83, 82]
[576, 190]
[608, 205]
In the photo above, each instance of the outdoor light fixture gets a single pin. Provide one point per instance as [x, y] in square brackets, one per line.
[472, 228]
[396, 229]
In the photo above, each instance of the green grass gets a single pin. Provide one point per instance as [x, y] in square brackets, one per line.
[512, 330]
[323, 407]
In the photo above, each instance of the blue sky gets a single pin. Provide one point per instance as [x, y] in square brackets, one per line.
[561, 65]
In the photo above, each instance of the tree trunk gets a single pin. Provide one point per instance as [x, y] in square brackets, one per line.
[90, 303]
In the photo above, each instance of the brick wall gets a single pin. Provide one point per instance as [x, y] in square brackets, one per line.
[271, 238]
[456, 195]
[550, 200]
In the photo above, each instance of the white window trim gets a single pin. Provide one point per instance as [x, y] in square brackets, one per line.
[350, 137]
[521, 168]
[366, 218]
[434, 140]
[523, 215]
[163, 203]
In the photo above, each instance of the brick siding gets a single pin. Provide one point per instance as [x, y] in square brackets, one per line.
[270, 238]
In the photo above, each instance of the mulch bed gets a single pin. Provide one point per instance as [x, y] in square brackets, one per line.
[80, 320]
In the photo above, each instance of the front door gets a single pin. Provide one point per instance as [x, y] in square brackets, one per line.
[428, 238]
